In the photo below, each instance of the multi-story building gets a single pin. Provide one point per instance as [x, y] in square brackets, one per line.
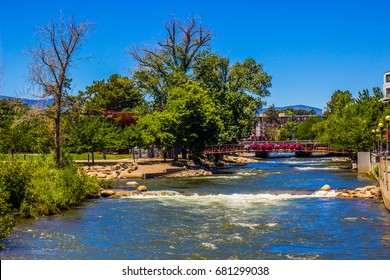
[262, 122]
[386, 86]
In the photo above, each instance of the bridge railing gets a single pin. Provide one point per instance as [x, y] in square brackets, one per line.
[275, 146]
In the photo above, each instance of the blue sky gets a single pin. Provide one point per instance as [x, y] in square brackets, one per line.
[310, 48]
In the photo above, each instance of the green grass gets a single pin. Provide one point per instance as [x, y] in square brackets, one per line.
[19, 156]
[99, 156]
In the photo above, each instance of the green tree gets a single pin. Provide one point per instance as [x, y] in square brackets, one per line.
[288, 131]
[169, 63]
[189, 121]
[305, 129]
[13, 137]
[91, 134]
[272, 115]
[118, 93]
[196, 117]
[339, 100]
[157, 128]
[349, 123]
[237, 91]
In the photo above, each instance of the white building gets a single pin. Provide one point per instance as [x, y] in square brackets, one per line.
[386, 85]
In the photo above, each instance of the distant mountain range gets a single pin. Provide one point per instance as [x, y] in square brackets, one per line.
[31, 102]
[296, 107]
[45, 102]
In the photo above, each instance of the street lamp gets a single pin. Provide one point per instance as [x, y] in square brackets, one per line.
[377, 143]
[387, 118]
[373, 132]
[380, 126]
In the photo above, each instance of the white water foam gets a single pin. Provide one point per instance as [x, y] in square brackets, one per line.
[209, 246]
[246, 225]
[216, 177]
[316, 168]
[231, 198]
[271, 224]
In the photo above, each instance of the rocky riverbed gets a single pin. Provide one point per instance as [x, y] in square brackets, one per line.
[111, 171]
[365, 192]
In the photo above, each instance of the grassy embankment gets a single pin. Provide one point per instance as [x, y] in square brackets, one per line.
[84, 156]
[34, 187]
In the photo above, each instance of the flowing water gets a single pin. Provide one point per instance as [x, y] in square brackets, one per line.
[266, 210]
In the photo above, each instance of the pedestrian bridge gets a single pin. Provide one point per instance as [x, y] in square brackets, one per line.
[264, 148]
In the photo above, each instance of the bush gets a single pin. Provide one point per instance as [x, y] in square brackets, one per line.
[53, 190]
[35, 187]
[15, 177]
[7, 215]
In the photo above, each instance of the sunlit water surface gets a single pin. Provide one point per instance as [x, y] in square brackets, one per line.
[266, 210]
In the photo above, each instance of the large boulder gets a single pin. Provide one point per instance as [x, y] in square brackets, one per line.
[107, 193]
[142, 189]
[325, 188]
[376, 192]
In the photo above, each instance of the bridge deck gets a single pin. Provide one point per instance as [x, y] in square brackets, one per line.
[281, 147]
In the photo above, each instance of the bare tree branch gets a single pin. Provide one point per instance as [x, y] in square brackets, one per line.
[51, 59]
[175, 54]
[180, 47]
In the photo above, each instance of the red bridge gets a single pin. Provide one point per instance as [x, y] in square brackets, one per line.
[263, 148]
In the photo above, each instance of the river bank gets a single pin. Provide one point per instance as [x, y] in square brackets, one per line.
[152, 168]
[155, 167]
[272, 209]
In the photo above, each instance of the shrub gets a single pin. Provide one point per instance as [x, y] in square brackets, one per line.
[53, 190]
[7, 215]
[15, 177]
[35, 187]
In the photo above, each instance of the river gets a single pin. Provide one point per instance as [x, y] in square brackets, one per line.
[267, 210]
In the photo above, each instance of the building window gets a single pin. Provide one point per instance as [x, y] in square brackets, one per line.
[388, 93]
[388, 78]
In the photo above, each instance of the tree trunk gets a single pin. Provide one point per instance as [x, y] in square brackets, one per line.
[184, 152]
[176, 154]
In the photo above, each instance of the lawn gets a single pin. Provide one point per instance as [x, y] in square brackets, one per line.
[84, 156]
[100, 156]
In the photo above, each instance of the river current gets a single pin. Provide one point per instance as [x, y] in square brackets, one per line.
[267, 210]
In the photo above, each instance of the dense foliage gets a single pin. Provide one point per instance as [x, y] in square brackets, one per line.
[349, 121]
[31, 188]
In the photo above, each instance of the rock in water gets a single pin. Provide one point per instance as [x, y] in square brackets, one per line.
[132, 183]
[142, 189]
[107, 193]
[325, 188]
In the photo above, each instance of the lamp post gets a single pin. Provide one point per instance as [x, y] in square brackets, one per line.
[377, 143]
[373, 132]
[380, 126]
[387, 118]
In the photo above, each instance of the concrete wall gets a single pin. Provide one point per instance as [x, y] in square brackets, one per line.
[383, 176]
[364, 162]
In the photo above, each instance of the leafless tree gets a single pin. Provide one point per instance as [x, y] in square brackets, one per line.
[176, 53]
[54, 54]
[178, 49]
